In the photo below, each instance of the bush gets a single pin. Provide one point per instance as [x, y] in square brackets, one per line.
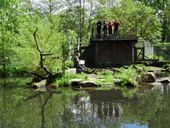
[130, 75]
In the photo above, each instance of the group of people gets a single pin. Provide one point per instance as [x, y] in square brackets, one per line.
[106, 27]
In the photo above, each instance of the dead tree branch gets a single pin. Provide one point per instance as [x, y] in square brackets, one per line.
[42, 54]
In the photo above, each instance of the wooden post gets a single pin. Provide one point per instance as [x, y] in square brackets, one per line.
[143, 53]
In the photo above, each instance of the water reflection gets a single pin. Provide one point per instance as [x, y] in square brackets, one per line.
[65, 108]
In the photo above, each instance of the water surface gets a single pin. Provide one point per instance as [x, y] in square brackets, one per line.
[65, 108]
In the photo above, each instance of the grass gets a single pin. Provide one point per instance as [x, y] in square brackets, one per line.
[105, 78]
[163, 44]
[126, 76]
[65, 80]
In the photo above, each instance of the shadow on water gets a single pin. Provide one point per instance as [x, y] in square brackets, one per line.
[65, 108]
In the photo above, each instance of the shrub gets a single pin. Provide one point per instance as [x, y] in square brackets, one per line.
[130, 75]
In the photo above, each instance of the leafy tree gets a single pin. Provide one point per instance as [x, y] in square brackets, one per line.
[162, 8]
[10, 23]
[75, 16]
[135, 19]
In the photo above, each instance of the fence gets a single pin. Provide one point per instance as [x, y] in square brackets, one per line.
[153, 53]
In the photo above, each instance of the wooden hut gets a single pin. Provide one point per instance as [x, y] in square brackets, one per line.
[109, 52]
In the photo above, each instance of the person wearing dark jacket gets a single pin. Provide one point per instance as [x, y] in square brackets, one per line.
[116, 27]
[105, 29]
[99, 27]
[110, 28]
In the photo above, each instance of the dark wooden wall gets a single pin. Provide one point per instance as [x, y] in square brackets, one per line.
[109, 53]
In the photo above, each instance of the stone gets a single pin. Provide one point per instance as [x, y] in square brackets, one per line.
[51, 86]
[75, 82]
[165, 80]
[71, 70]
[149, 77]
[117, 81]
[129, 84]
[88, 84]
[40, 84]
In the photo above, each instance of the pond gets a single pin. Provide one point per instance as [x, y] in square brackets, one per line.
[66, 108]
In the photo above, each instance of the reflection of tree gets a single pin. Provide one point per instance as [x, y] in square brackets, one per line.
[44, 98]
[151, 108]
[110, 110]
[67, 115]
[43, 109]
[161, 119]
[4, 102]
[116, 108]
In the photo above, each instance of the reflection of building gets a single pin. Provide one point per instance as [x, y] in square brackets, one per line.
[99, 106]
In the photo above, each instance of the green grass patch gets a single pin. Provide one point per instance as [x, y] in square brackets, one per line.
[65, 80]
[163, 44]
[105, 78]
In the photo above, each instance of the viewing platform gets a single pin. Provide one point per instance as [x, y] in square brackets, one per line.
[112, 38]
[110, 51]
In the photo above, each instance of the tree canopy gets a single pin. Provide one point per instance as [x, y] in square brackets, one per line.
[61, 24]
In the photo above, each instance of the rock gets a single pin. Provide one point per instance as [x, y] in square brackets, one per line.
[149, 77]
[40, 84]
[51, 86]
[79, 83]
[164, 80]
[159, 72]
[92, 77]
[75, 82]
[71, 70]
[129, 84]
[88, 84]
[117, 81]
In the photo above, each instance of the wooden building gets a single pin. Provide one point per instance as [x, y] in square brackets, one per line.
[109, 52]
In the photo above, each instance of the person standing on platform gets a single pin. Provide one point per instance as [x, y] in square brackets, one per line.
[99, 27]
[110, 28]
[116, 27]
[104, 29]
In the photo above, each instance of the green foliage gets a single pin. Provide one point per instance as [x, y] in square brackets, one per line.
[127, 76]
[135, 19]
[58, 30]
[65, 80]
[105, 78]
[10, 24]
[15, 82]
[154, 56]
[167, 67]
[130, 75]
[162, 44]
[162, 9]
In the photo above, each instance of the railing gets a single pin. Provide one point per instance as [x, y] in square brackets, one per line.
[94, 35]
